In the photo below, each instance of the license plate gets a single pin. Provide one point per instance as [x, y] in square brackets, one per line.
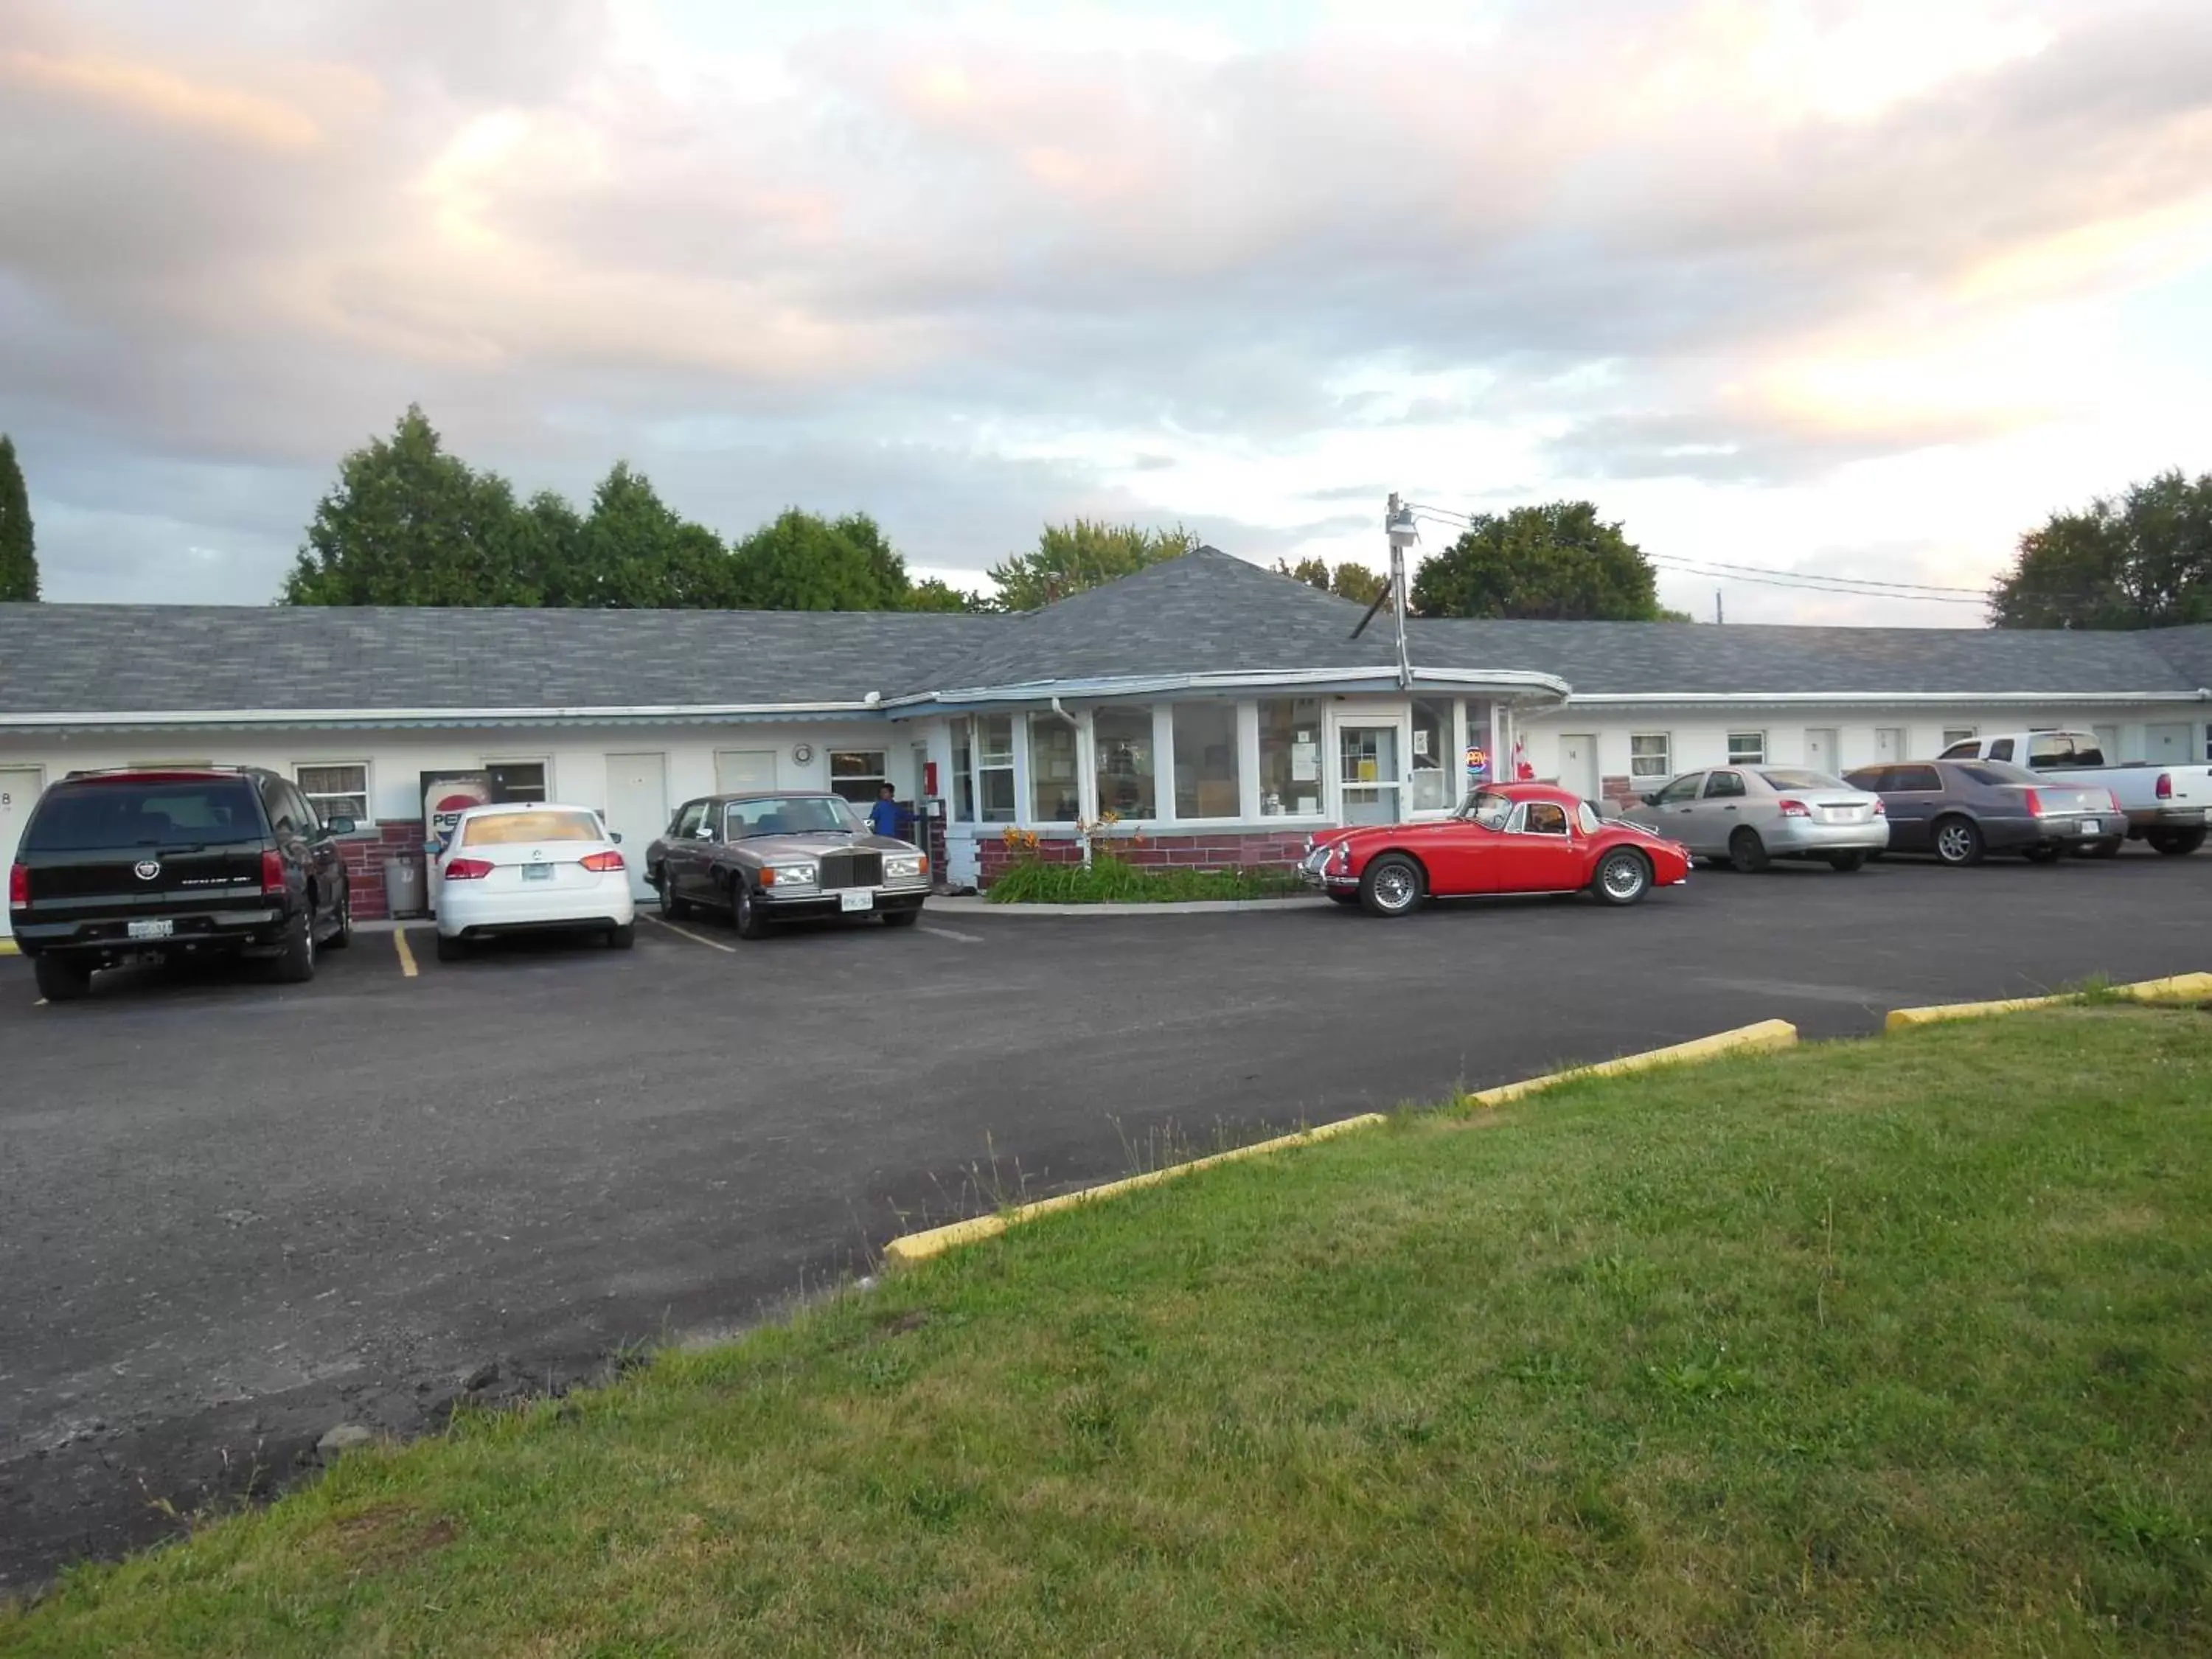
[537, 873]
[2093, 826]
[152, 929]
[863, 900]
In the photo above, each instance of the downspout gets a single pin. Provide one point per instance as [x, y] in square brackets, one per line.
[1082, 771]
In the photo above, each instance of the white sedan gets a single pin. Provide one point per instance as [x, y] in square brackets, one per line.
[532, 866]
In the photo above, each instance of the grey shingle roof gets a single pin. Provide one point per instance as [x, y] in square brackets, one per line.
[1206, 613]
[1603, 659]
[71, 659]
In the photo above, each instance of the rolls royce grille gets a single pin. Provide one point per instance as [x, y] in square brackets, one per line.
[852, 869]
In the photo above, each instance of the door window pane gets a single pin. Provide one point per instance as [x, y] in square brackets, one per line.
[994, 766]
[964, 775]
[1206, 779]
[1054, 797]
[1126, 785]
[1290, 757]
[1432, 755]
[1367, 771]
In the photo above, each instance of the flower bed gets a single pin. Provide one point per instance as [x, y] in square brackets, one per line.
[1111, 880]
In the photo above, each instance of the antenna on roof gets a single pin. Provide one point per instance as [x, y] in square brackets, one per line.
[1398, 523]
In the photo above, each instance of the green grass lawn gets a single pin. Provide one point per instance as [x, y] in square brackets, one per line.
[1900, 1346]
[1111, 880]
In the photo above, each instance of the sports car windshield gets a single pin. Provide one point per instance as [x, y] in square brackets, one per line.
[790, 815]
[1487, 808]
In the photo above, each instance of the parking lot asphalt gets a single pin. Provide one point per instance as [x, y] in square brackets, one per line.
[235, 1214]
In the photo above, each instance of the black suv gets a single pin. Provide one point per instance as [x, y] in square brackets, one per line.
[130, 866]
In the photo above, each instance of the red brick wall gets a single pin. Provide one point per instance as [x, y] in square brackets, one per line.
[1200, 850]
[364, 862]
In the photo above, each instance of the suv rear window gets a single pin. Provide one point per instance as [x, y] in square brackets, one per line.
[83, 818]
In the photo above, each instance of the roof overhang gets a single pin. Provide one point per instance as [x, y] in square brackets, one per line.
[387, 719]
[1876, 699]
[1517, 683]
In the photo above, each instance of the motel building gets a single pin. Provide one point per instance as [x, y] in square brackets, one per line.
[1222, 713]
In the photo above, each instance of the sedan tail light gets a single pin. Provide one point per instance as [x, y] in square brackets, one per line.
[2165, 791]
[272, 872]
[1794, 809]
[604, 862]
[467, 869]
[2034, 803]
[2112, 800]
[19, 885]
[1881, 807]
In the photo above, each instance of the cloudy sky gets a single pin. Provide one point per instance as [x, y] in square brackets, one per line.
[1856, 288]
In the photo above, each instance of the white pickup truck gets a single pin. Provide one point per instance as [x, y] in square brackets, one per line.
[2166, 805]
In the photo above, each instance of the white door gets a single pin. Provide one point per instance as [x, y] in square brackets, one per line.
[1578, 764]
[2164, 745]
[1889, 743]
[736, 771]
[1369, 775]
[19, 789]
[637, 808]
[1821, 748]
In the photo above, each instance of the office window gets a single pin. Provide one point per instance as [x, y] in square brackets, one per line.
[857, 774]
[1290, 757]
[1125, 784]
[1055, 796]
[994, 766]
[1206, 782]
[1650, 757]
[1959, 734]
[517, 779]
[336, 790]
[1746, 748]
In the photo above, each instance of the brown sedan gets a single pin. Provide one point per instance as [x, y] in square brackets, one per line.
[771, 857]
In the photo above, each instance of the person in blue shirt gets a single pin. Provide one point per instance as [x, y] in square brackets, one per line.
[884, 815]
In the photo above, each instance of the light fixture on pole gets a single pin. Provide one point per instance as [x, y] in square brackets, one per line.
[1403, 533]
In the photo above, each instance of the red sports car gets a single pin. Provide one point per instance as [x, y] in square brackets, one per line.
[1512, 838]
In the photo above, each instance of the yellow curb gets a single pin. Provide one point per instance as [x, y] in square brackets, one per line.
[2181, 987]
[919, 1247]
[1764, 1037]
[7, 947]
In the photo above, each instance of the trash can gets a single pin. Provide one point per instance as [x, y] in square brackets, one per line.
[403, 887]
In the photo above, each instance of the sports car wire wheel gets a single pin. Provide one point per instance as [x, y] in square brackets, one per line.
[1623, 875]
[1395, 886]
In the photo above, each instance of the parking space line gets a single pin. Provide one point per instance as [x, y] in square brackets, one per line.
[406, 953]
[947, 933]
[696, 938]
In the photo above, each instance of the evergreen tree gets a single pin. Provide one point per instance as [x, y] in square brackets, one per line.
[19, 556]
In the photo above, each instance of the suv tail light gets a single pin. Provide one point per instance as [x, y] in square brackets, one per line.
[1795, 809]
[272, 872]
[19, 885]
[604, 862]
[467, 869]
[2164, 790]
[2034, 803]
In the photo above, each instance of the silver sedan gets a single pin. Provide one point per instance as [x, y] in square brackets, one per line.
[1750, 815]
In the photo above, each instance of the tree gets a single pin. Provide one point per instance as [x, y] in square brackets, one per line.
[1557, 562]
[635, 553]
[19, 555]
[934, 595]
[411, 525]
[803, 561]
[2144, 561]
[1072, 557]
[1347, 580]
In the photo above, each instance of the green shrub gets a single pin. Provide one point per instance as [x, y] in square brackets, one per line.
[1111, 880]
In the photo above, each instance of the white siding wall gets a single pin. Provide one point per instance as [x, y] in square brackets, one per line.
[1699, 736]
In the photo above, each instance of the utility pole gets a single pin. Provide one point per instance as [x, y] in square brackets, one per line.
[1399, 523]
[1717, 616]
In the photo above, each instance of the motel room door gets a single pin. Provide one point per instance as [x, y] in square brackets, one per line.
[637, 809]
[19, 788]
